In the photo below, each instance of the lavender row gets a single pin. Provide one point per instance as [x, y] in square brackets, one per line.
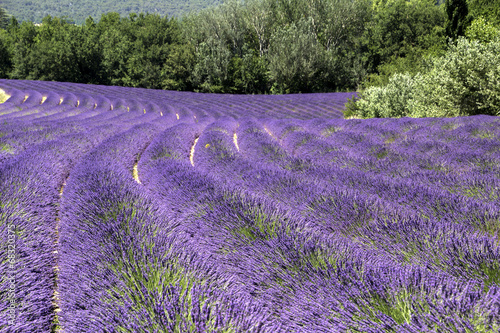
[140, 274]
[464, 212]
[45, 154]
[31, 185]
[244, 224]
[299, 106]
[210, 229]
[375, 157]
[428, 199]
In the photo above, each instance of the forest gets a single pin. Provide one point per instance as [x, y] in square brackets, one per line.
[78, 11]
[267, 47]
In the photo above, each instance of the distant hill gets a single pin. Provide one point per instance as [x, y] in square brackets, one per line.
[79, 10]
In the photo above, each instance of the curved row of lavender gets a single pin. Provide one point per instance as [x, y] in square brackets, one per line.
[155, 211]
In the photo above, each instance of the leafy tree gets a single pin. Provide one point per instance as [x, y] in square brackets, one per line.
[177, 68]
[249, 73]
[4, 18]
[5, 42]
[488, 9]
[295, 57]
[218, 36]
[228, 38]
[88, 51]
[457, 18]
[462, 82]
[52, 56]
[116, 47]
[241, 46]
[401, 29]
[135, 49]
[210, 71]
[481, 30]
[257, 16]
[23, 37]
[5, 55]
[339, 26]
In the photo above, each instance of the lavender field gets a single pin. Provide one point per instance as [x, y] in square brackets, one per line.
[134, 210]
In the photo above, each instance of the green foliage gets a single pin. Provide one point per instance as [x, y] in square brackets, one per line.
[240, 46]
[135, 49]
[489, 9]
[177, 67]
[130, 51]
[261, 46]
[458, 18]
[295, 58]
[415, 62]
[465, 81]
[482, 31]
[462, 82]
[5, 54]
[35, 10]
[399, 36]
[390, 100]
[4, 18]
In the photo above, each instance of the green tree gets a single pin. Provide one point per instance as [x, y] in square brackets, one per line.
[457, 18]
[217, 35]
[24, 39]
[339, 26]
[481, 30]
[5, 45]
[51, 54]
[462, 82]
[4, 18]
[257, 16]
[116, 47]
[5, 54]
[488, 9]
[88, 51]
[295, 57]
[178, 66]
[136, 49]
[400, 33]
[210, 71]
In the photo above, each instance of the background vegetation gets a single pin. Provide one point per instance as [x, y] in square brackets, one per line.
[78, 11]
[395, 52]
[459, 79]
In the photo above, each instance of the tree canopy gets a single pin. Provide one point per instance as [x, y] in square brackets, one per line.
[78, 11]
[250, 46]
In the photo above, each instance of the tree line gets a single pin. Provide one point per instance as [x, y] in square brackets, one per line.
[78, 11]
[242, 46]
[462, 80]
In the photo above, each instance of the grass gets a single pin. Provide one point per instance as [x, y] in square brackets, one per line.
[166, 153]
[6, 148]
[330, 130]
[399, 309]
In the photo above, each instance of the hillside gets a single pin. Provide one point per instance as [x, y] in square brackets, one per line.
[35, 10]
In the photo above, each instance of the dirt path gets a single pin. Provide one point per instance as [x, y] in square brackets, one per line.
[55, 294]
[235, 140]
[270, 133]
[135, 172]
[191, 154]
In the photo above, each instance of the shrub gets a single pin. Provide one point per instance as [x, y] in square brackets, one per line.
[462, 82]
